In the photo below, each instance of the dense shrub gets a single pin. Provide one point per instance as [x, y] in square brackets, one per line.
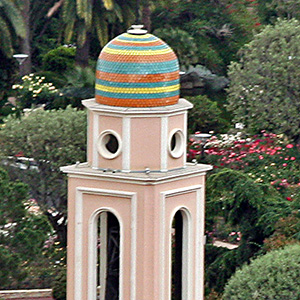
[266, 158]
[205, 116]
[34, 91]
[51, 139]
[264, 90]
[274, 276]
[59, 284]
[59, 59]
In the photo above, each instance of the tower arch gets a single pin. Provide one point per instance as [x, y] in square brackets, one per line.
[106, 252]
[181, 253]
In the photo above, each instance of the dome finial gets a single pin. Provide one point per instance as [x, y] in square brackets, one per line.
[137, 30]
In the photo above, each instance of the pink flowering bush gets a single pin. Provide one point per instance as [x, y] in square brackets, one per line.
[267, 158]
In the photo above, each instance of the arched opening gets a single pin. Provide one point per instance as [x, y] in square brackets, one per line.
[108, 256]
[180, 255]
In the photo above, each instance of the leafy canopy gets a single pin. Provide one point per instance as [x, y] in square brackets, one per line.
[22, 233]
[52, 139]
[264, 91]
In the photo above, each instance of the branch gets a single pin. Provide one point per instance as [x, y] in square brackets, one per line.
[54, 8]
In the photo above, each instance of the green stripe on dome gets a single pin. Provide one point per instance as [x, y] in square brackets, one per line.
[137, 95]
[138, 68]
[142, 48]
[135, 39]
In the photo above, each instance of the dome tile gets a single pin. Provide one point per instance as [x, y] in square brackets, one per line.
[137, 71]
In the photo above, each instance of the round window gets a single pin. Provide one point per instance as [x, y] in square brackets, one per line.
[176, 143]
[109, 144]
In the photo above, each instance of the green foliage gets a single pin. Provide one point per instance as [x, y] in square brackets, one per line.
[272, 276]
[10, 267]
[285, 8]
[82, 18]
[11, 26]
[59, 285]
[22, 233]
[59, 59]
[7, 68]
[205, 116]
[267, 158]
[252, 207]
[182, 42]
[52, 139]
[264, 89]
[80, 84]
[219, 270]
[287, 231]
[33, 91]
[218, 29]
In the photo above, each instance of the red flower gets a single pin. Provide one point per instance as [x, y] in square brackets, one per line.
[289, 146]
[292, 158]
[19, 154]
[288, 198]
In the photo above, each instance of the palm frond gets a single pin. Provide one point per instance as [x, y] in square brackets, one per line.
[14, 16]
[128, 15]
[69, 11]
[89, 14]
[81, 34]
[69, 31]
[108, 4]
[81, 7]
[101, 29]
[118, 11]
[5, 37]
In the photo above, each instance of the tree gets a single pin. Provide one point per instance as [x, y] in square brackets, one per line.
[22, 233]
[285, 8]
[218, 28]
[11, 24]
[272, 276]
[50, 139]
[252, 207]
[35, 18]
[205, 116]
[264, 90]
[82, 17]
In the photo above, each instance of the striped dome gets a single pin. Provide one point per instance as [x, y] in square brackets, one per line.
[137, 70]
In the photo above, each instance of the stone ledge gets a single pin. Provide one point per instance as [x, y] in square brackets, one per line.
[36, 294]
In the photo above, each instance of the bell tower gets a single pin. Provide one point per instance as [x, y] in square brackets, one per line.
[136, 207]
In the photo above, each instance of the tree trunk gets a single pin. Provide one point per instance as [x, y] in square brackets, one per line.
[25, 43]
[82, 53]
[59, 227]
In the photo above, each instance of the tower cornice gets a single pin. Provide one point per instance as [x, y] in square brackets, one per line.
[141, 178]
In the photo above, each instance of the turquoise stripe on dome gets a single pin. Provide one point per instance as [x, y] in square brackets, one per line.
[134, 39]
[137, 68]
[136, 96]
[135, 48]
[137, 84]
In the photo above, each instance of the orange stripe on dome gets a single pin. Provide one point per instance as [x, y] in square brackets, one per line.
[128, 43]
[138, 58]
[115, 77]
[137, 102]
